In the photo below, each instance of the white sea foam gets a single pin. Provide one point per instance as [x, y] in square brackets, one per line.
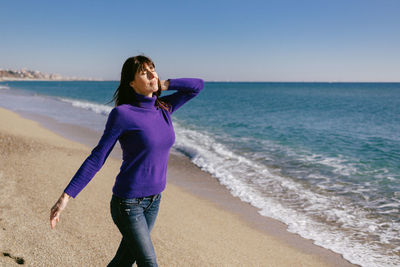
[4, 87]
[331, 221]
[97, 108]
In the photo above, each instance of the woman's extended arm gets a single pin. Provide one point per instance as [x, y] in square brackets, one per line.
[186, 88]
[98, 156]
[90, 166]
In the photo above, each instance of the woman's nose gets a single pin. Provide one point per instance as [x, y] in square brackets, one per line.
[150, 75]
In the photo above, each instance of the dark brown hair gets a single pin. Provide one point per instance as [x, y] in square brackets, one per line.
[125, 93]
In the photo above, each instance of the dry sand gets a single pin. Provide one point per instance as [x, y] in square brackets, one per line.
[35, 166]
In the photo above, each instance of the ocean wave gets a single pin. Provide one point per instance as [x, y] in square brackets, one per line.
[4, 87]
[338, 164]
[331, 221]
[97, 108]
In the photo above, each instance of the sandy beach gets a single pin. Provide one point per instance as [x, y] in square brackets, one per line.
[199, 224]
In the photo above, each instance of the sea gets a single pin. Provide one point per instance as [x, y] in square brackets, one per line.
[323, 158]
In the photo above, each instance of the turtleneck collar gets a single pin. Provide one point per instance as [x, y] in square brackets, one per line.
[145, 101]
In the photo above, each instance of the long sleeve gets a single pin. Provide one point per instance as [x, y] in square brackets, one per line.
[186, 88]
[98, 156]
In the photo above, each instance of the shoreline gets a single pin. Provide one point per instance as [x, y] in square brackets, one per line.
[191, 181]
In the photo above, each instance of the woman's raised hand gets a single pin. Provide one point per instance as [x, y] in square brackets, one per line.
[57, 208]
[163, 84]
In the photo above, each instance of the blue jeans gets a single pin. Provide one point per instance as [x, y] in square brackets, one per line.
[135, 218]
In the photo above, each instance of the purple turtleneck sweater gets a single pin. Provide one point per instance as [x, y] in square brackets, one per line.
[146, 135]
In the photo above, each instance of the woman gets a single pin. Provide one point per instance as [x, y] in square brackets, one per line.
[141, 121]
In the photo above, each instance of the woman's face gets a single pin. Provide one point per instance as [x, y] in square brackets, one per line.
[146, 81]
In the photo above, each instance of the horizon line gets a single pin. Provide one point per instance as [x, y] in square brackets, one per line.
[249, 81]
[219, 81]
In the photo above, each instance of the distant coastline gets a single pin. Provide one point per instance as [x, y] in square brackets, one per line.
[35, 75]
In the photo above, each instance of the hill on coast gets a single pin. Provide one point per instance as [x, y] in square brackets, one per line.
[24, 74]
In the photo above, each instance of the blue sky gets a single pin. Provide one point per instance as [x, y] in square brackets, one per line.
[341, 40]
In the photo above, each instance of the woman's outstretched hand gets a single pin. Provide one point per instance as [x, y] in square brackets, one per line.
[57, 208]
[163, 84]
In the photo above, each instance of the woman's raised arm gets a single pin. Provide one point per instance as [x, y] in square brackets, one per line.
[186, 88]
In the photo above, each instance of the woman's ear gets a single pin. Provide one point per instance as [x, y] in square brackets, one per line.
[132, 84]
